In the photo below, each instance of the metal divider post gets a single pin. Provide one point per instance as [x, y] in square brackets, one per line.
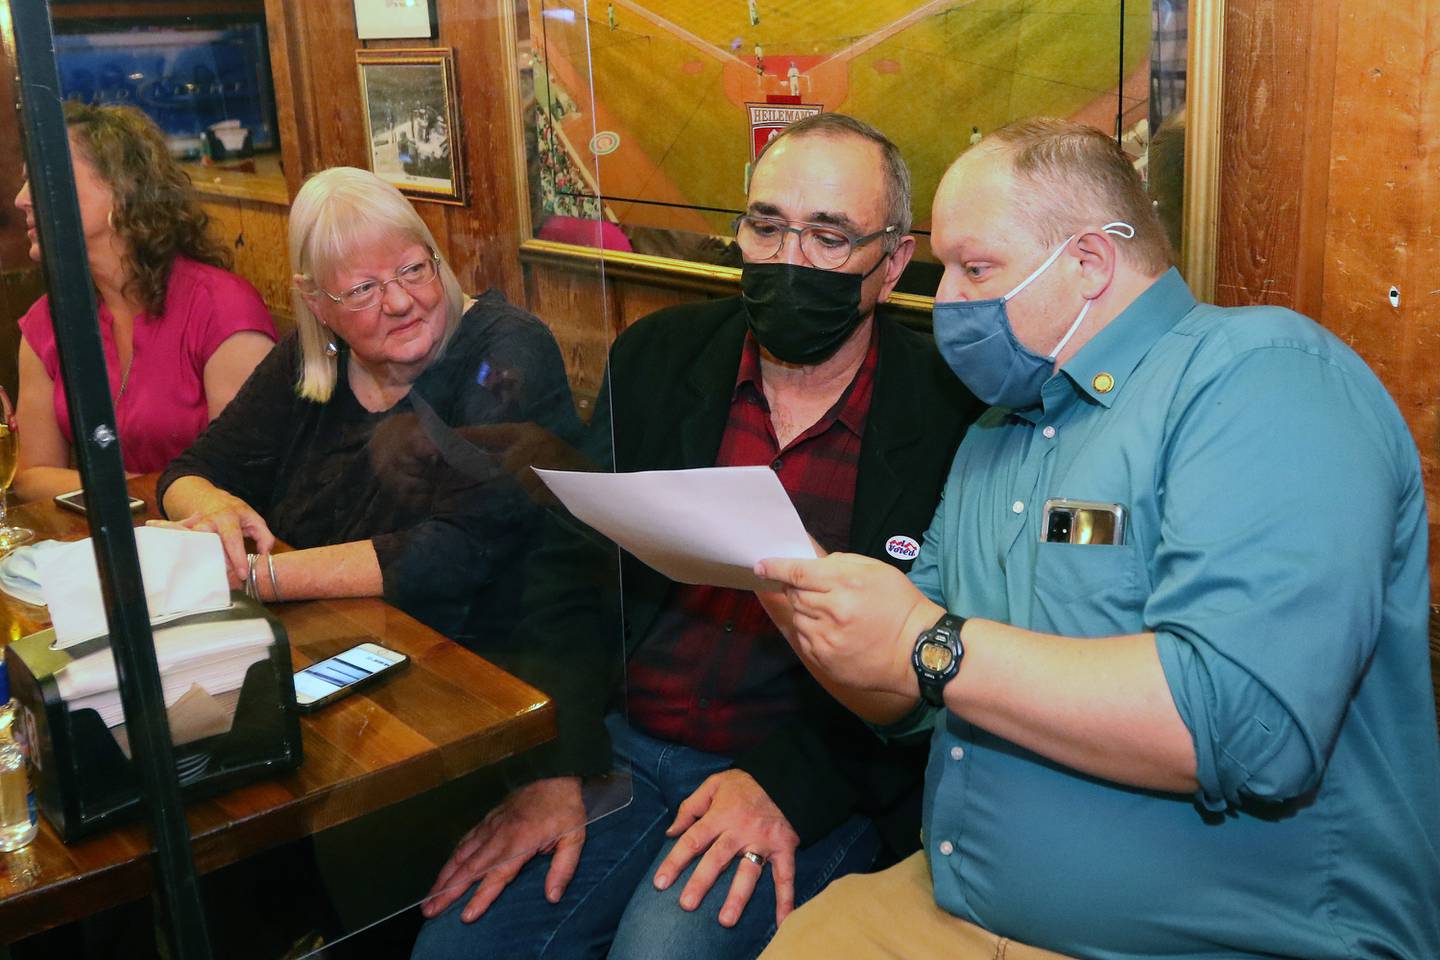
[92, 420]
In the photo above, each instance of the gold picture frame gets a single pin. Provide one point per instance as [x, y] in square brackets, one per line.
[1204, 95]
[412, 123]
[1197, 242]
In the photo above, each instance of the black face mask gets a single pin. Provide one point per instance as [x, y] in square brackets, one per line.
[800, 314]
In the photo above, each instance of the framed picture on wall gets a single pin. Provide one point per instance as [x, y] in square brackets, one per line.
[607, 170]
[411, 121]
[392, 19]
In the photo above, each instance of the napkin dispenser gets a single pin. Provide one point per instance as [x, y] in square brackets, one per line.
[84, 781]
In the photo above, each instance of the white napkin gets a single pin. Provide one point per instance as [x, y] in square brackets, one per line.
[213, 656]
[183, 571]
[19, 571]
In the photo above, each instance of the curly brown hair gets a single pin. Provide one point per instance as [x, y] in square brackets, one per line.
[157, 212]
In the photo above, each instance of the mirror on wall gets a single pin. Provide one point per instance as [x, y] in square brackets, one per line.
[685, 94]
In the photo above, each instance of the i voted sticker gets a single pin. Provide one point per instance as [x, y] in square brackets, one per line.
[902, 548]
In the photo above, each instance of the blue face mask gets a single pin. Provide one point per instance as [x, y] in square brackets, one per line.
[977, 341]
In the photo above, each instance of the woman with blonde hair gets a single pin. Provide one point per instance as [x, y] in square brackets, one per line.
[350, 444]
[181, 333]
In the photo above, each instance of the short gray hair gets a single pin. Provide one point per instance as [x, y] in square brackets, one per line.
[897, 173]
[333, 214]
[1069, 173]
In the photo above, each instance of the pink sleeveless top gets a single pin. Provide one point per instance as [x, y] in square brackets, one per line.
[163, 409]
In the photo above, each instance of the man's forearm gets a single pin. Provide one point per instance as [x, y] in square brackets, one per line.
[1101, 705]
[1098, 705]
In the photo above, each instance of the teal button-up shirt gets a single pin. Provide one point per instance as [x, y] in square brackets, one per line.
[1276, 547]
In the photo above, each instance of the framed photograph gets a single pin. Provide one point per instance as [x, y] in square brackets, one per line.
[393, 19]
[411, 121]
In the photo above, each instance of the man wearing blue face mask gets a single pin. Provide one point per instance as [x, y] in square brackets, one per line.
[752, 787]
[1167, 632]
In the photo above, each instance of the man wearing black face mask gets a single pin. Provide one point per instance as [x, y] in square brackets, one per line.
[752, 787]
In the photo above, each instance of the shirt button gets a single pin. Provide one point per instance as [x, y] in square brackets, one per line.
[1018, 506]
[729, 626]
[1049, 433]
[946, 848]
[704, 703]
[776, 464]
[957, 753]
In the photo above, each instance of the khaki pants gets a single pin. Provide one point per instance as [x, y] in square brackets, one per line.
[889, 915]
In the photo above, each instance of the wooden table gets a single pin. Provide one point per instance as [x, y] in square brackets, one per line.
[448, 714]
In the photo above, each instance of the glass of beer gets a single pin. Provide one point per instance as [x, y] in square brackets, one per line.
[10, 537]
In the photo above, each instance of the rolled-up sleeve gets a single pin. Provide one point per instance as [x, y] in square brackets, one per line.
[1276, 535]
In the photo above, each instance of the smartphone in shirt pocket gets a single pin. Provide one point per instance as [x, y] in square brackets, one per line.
[1083, 522]
[1086, 574]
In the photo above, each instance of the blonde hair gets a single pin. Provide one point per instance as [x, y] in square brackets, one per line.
[334, 214]
[1069, 174]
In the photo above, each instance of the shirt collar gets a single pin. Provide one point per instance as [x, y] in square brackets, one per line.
[1103, 365]
[852, 407]
[749, 372]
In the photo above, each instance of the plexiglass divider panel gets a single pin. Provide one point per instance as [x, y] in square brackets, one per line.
[313, 274]
[563, 168]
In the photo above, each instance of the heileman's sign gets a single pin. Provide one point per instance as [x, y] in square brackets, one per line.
[768, 119]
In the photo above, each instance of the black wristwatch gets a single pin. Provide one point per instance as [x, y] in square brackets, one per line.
[937, 657]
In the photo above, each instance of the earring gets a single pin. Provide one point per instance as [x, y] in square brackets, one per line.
[110, 218]
[332, 350]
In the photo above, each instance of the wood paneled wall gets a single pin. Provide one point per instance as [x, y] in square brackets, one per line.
[1330, 187]
[13, 243]
[586, 311]
[20, 281]
[312, 46]
[255, 231]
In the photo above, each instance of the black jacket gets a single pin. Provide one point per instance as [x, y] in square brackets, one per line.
[667, 399]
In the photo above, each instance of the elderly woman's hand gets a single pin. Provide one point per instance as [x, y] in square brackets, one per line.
[233, 520]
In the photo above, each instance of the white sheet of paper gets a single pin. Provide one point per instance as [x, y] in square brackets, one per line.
[705, 526]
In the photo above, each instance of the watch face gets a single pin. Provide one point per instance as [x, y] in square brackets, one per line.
[935, 657]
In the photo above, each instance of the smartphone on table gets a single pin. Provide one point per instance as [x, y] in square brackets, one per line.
[330, 679]
[75, 501]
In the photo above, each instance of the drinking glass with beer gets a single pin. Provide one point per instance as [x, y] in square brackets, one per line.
[10, 537]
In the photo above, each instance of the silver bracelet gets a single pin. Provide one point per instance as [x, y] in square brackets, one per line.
[252, 588]
[274, 584]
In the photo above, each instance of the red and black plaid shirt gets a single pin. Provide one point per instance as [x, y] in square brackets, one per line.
[714, 673]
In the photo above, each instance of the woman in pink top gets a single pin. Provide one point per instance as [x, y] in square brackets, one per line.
[180, 332]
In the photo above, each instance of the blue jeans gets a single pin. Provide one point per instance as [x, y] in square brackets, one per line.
[611, 906]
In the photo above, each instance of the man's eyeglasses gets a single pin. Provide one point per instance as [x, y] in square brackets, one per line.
[828, 248]
[365, 295]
